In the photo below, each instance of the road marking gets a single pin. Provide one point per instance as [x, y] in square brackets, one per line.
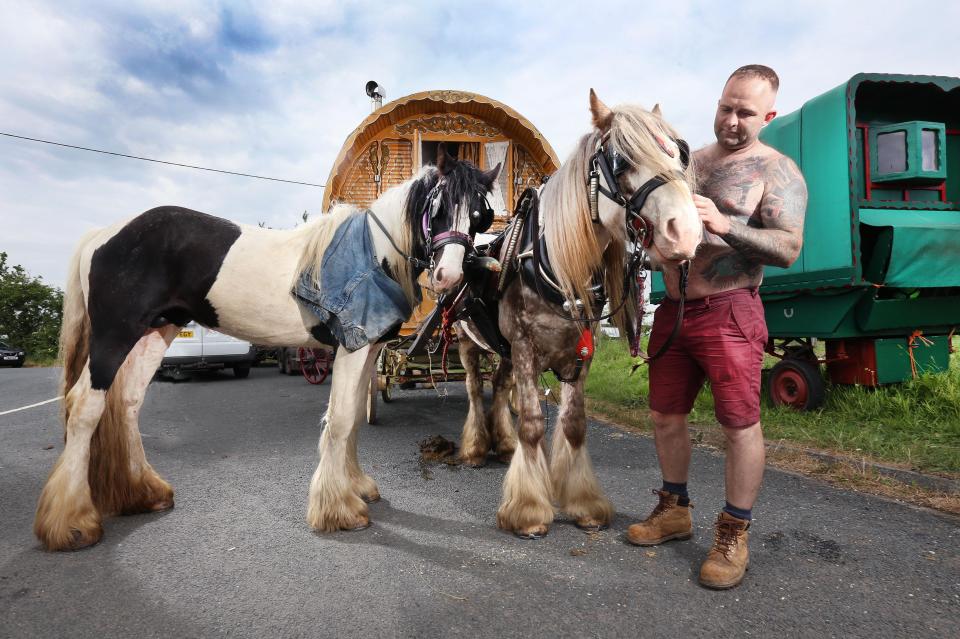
[14, 410]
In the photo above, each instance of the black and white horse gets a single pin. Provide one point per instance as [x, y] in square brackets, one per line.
[131, 287]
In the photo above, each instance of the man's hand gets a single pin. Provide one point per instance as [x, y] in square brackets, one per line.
[715, 221]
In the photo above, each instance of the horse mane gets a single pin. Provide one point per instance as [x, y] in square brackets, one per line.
[410, 197]
[575, 254]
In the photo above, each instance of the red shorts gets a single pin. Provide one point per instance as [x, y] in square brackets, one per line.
[722, 339]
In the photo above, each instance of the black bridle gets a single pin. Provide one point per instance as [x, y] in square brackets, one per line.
[611, 165]
[480, 220]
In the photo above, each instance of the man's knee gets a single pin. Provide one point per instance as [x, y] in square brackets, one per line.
[743, 433]
[668, 421]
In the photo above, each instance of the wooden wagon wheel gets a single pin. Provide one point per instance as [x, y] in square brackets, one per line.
[314, 364]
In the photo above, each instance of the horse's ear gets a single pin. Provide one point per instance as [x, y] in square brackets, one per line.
[487, 178]
[656, 110]
[445, 161]
[602, 115]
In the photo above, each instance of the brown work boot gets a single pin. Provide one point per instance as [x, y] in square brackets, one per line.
[729, 558]
[667, 521]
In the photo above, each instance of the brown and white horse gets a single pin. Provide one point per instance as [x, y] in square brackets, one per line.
[131, 287]
[650, 168]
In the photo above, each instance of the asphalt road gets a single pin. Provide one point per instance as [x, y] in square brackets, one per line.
[236, 558]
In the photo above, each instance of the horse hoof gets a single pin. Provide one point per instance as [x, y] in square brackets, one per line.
[162, 505]
[370, 499]
[505, 458]
[361, 522]
[591, 527]
[534, 533]
[80, 540]
[475, 462]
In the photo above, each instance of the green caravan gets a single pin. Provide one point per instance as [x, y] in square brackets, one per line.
[878, 280]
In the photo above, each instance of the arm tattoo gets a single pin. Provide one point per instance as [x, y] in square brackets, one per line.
[782, 209]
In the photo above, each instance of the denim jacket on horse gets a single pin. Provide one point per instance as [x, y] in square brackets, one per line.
[357, 300]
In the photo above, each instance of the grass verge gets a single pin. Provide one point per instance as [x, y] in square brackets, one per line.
[40, 362]
[915, 424]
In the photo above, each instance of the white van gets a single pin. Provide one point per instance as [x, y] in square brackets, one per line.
[199, 348]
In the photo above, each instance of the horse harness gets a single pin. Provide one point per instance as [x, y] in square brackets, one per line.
[522, 248]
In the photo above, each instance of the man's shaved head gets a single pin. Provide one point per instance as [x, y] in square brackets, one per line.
[758, 71]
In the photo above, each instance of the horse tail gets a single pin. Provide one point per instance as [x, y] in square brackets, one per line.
[109, 467]
[74, 348]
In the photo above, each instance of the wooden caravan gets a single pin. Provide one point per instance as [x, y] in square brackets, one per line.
[394, 141]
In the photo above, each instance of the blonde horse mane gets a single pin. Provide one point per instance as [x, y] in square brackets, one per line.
[575, 254]
[320, 232]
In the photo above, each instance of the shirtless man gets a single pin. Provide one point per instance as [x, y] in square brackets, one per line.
[752, 204]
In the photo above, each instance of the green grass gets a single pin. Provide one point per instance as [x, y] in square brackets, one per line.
[916, 422]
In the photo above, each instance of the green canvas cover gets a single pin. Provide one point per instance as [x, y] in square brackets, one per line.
[925, 249]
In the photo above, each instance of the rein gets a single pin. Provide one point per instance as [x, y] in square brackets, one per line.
[635, 350]
[414, 261]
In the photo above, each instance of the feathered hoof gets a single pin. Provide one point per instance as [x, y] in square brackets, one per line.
[591, 525]
[71, 538]
[340, 517]
[535, 532]
[68, 522]
[505, 456]
[160, 506]
[151, 495]
[474, 461]
[155, 505]
[367, 489]
[371, 498]
[81, 539]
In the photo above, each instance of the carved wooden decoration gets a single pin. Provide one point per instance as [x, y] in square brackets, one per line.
[448, 124]
[451, 96]
[378, 162]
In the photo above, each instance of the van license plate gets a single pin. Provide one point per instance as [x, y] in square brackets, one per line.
[185, 334]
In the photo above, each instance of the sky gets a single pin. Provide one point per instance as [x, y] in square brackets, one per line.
[275, 88]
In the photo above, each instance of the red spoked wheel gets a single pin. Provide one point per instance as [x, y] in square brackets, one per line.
[314, 364]
[797, 383]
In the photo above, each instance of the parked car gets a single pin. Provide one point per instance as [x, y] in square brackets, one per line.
[200, 348]
[11, 355]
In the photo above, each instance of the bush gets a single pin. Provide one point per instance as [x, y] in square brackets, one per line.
[30, 311]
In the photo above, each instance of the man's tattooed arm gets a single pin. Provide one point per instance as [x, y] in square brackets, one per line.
[782, 210]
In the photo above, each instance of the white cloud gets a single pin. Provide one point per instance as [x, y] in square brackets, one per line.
[278, 92]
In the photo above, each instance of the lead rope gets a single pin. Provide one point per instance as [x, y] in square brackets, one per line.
[446, 337]
[646, 359]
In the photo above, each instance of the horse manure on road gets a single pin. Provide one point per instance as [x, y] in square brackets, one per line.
[437, 450]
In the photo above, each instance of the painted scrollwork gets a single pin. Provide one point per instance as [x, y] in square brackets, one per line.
[451, 96]
[449, 124]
